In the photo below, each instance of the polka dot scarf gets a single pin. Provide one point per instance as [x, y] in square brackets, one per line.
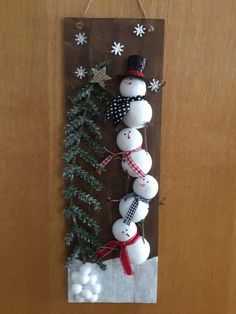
[119, 107]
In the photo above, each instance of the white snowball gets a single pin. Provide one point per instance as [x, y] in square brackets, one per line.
[131, 87]
[93, 279]
[82, 278]
[129, 139]
[94, 298]
[97, 288]
[85, 268]
[76, 288]
[87, 294]
[141, 211]
[142, 158]
[139, 114]
[147, 187]
[75, 275]
[139, 251]
[79, 298]
[123, 232]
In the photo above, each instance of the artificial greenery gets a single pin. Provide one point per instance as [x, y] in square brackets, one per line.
[82, 153]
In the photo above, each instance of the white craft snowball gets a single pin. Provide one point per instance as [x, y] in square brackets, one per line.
[86, 293]
[94, 298]
[79, 298]
[75, 276]
[131, 87]
[76, 288]
[82, 278]
[85, 269]
[139, 251]
[123, 232]
[142, 159]
[141, 210]
[129, 139]
[147, 187]
[97, 288]
[93, 279]
[139, 114]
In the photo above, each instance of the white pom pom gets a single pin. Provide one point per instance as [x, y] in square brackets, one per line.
[85, 269]
[93, 279]
[97, 288]
[131, 87]
[94, 298]
[75, 275]
[146, 187]
[87, 294]
[79, 298]
[76, 288]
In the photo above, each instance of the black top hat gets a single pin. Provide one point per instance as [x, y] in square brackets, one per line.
[136, 66]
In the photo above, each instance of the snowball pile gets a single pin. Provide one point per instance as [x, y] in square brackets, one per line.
[85, 286]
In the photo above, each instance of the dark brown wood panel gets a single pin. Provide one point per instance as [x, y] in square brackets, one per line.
[101, 34]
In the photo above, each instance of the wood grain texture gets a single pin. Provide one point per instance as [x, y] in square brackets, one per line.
[197, 261]
[101, 35]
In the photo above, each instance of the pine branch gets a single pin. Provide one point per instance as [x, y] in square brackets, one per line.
[80, 214]
[73, 152]
[73, 138]
[75, 170]
[73, 192]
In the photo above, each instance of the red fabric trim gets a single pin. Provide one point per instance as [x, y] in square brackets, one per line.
[124, 258]
[137, 73]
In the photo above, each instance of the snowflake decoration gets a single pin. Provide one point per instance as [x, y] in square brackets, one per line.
[139, 30]
[80, 72]
[80, 39]
[117, 48]
[155, 85]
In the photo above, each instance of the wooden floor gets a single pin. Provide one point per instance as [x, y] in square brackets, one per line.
[197, 231]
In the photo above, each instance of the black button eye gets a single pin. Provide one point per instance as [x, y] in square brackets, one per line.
[147, 181]
[123, 232]
[124, 133]
[129, 131]
[126, 229]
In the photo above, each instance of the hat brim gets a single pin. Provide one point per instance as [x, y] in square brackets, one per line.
[121, 77]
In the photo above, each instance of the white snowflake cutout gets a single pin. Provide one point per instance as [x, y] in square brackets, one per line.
[80, 72]
[117, 48]
[81, 39]
[155, 85]
[139, 30]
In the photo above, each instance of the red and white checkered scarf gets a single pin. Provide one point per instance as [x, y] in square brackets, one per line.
[127, 157]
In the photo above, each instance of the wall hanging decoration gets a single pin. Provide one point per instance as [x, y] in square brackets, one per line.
[113, 94]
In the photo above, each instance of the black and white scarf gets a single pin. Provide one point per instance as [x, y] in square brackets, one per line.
[134, 205]
[119, 107]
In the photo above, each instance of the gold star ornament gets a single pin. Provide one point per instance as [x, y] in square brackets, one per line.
[100, 76]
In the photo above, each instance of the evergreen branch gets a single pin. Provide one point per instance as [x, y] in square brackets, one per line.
[86, 236]
[73, 138]
[73, 191]
[75, 170]
[93, 128]
[79, 108]
[79, 213]
[74, 253]
[69, 236]
[73, 152]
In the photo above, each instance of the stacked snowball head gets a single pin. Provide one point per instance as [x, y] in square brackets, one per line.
[130, 139]
[85, 286]
[135, 112]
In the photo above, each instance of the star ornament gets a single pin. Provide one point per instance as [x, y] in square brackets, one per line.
[100, 76]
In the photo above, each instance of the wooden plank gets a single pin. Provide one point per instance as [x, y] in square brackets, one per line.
[101, 34]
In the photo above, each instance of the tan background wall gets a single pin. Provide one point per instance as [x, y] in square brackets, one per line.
[197, 236]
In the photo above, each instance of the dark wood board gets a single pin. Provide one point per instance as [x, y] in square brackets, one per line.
[101, 34]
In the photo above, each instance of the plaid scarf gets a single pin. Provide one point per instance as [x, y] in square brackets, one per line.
[119, 107]
[127, 157]
[134, 205]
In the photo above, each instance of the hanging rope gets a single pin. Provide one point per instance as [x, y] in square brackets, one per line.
[139, 3]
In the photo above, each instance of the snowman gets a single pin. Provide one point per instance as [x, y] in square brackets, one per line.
[134, 206]
[131, 107]
[136, 161]
[134, 250]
